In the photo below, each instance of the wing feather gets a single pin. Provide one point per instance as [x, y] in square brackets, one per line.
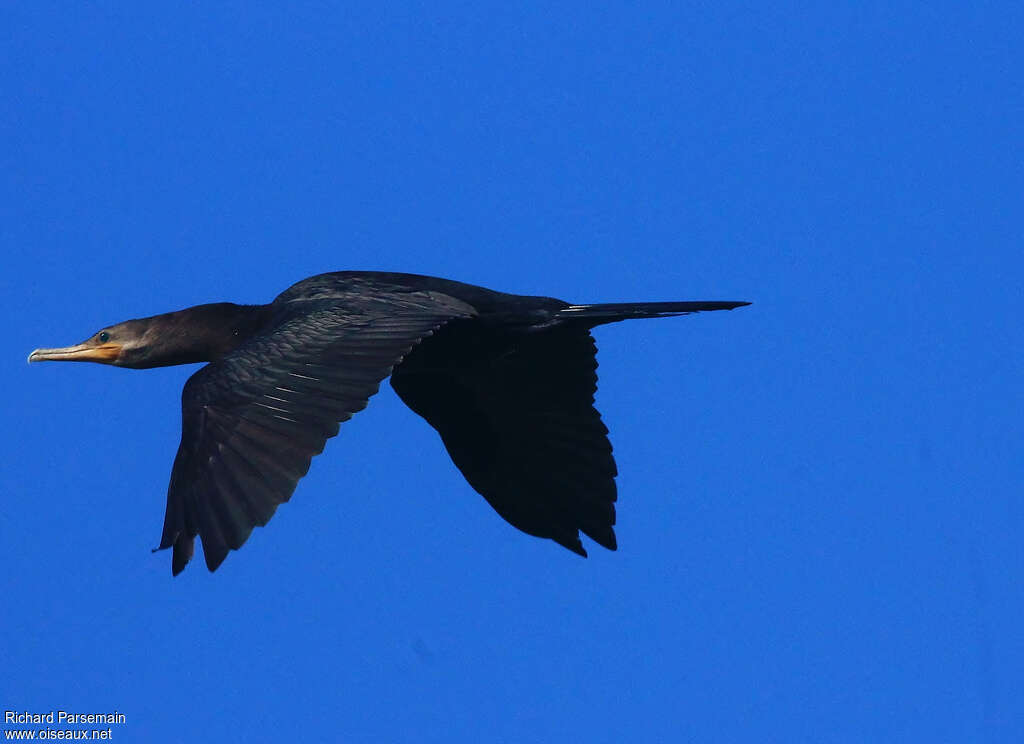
[253, 421]
[518, 420]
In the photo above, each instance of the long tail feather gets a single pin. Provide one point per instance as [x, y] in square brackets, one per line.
[610, 312]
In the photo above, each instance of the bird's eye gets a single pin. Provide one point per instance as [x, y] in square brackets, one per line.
[104, 337]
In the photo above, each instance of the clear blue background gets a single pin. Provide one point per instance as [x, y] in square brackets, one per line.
[821, 521]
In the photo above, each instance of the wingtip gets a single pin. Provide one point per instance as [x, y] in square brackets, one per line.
[214, 553]
[184, 547]
[603, 536]
[572, 543]
[181, 554]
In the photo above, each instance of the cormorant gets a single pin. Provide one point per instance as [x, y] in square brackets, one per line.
[508, 381]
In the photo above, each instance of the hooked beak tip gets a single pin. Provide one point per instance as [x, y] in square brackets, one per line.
[84, 352]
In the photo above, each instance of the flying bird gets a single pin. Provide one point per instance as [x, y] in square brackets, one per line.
[507, 380]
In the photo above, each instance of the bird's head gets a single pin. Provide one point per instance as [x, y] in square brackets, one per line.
[197, 334]
[116, 344]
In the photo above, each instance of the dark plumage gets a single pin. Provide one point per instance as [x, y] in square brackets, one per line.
[508, 381]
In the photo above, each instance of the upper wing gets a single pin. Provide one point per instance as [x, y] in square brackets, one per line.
[518, 419]
[252, 421]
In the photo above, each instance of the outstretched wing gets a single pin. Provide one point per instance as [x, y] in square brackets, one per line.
[252, 421]
[518, 420]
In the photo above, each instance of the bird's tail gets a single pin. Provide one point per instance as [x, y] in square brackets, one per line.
[610, 312]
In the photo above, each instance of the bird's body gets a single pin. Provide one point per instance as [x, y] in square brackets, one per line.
[507, 380]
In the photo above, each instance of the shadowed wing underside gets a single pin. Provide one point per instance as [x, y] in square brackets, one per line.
[252, 421]
[516, 413]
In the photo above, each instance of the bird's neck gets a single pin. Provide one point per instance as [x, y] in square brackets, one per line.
[204, 333]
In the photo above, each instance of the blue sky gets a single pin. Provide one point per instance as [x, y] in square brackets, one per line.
[820, 515]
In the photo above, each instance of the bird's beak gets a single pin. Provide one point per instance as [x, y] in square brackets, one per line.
[84, 352]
